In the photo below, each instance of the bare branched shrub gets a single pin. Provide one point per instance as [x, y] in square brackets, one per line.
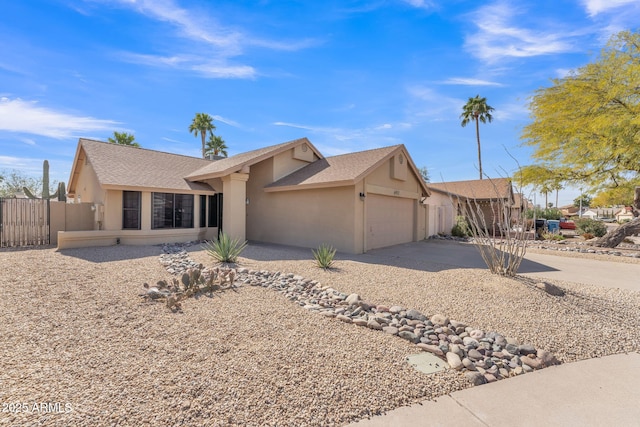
[498, 230]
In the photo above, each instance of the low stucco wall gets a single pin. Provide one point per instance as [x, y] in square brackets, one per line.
[83, 239]
[70, 217]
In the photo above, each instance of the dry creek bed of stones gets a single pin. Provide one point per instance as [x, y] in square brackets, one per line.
[483, 357]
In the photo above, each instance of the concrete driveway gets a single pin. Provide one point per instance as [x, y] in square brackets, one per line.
[438, 255]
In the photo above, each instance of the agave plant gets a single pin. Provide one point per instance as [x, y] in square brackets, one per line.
[225, 249]
[324, 256]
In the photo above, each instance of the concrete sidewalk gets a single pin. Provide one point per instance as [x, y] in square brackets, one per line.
[593, 392]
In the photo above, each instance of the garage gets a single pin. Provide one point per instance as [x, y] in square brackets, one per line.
[390, 220]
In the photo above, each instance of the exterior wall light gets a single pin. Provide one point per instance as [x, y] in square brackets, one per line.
[362, 196]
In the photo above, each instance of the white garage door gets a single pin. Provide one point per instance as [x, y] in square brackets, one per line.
[389, 220]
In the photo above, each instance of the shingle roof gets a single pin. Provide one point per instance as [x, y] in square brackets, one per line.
[345, 169]
[235, 163]
[479, 189]
[125, 166]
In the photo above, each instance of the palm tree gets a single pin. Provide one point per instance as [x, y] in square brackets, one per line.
[216, 146]
[202, 124]
[123, 138]
[476, 109]
[424, 172]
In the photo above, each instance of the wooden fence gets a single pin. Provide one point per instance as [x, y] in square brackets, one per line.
[24, 222]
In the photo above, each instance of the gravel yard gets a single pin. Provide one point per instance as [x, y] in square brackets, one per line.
[75, 332]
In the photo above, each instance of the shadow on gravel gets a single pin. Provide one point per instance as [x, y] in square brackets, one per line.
[112, 253]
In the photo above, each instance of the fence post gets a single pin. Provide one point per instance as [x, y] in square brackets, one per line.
[1, 223]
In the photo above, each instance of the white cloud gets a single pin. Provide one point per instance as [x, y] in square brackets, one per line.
[497, 37]
[213, 43]
[463, 81]
[27, 117]
[226, 121]
[28, 141]
[191, 24]
[351, 138]
[19, 163]
[172, 140]
[595, 7]
[433, 104]
[294, 125]
[200, 65]
[421, 4]
[515, 110]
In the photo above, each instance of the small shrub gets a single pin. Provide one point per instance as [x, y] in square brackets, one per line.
[461, 228]
[591, 226]
[324, 256]
[587, 236]
[552, 236]
[529, 224]
[225, 249]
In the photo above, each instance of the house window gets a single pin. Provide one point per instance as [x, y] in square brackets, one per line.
[131, 210]
[203, 211]
[215, 210]
[172, 210]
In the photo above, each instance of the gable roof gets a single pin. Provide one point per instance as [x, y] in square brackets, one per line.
[480, 189]
[236, 163]
[345, 169]
[519, 201]
[121, 166]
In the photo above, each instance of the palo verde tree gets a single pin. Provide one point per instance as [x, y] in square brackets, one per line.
[620, 195]
[477, 110]
[540, 178]
[585, 127]
[202, 124]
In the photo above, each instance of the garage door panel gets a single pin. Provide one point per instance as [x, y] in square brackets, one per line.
[390, 220]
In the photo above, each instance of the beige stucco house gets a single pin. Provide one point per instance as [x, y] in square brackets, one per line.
[494, 197]
[287, 193]
[624, 214]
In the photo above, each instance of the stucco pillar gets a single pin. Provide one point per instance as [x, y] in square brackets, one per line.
[234, 205]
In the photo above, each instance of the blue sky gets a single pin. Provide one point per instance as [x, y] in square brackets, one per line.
[349, 75]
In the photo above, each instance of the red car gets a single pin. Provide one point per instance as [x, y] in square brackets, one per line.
[565, 224]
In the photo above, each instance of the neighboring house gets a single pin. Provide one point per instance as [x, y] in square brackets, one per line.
[494, 197]
[625, 214]
[520, 204]
[589, 213]
[570, 210]
[287, 193]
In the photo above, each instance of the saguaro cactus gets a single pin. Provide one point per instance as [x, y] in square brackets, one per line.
[45, 179]
[61, 192]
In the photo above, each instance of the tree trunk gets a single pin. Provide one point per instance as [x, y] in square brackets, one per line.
[615, 237]
[479, 155]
